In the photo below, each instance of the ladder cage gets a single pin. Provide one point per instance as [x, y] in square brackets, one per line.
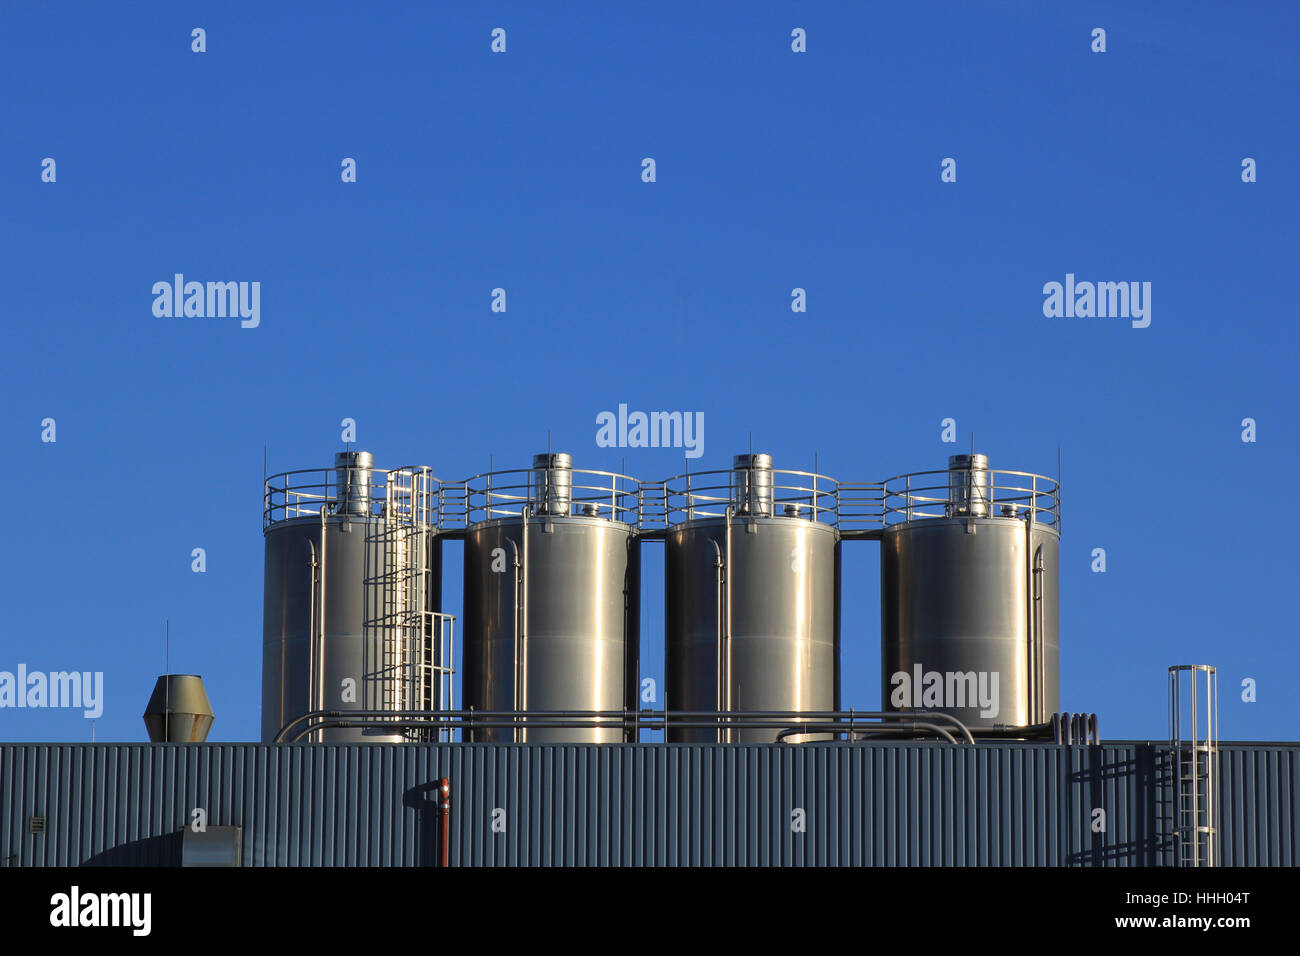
[1194, 752]
[416, 643]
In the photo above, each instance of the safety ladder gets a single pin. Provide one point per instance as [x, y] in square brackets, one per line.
[435, 668]
[652, 506]
[1194, 749]
[453, 505]
[402, 619]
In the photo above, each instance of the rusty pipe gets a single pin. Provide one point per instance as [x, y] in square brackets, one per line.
[444, 814]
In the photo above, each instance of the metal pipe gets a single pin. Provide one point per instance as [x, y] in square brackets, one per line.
[313, 643]
[783, 728]
[727, 635]
[311, 627]
[444, 812]
[523, 609]
[718, 639]
[710, 718]
[1041, 651]
[1212, 760]
[343, 722]
[651, 720]
[1031, 649]
[320, 655]
[516, 570]
[912, 725]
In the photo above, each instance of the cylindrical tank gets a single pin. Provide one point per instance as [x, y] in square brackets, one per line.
[970, 603]
[345, 602]
[551, 611]
[751, 607]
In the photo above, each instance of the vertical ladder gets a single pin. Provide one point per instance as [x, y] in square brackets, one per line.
[652, 506]
[417, 667]
[402, 617]
[436, 670]
[1194, 748]
[453, 505]
[391, 598]
[421, 674]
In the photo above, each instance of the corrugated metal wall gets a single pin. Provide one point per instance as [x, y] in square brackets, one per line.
[870, 803]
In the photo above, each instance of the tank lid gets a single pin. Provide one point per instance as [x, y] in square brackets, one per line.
[557, 459]
[974, 462]
[754, 461]
[354, 459]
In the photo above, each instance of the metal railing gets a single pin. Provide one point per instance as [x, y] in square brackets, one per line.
[862, 505]
[408, 494]
[652, 506]
[504, 493]
[997, 494]
[411, 494]
[708, 494]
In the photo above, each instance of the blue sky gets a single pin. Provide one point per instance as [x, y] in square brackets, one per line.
[775, 170]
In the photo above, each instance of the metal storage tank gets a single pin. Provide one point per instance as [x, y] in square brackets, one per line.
[752, 609]
[352, 590]
[969, 594]
[552, 589]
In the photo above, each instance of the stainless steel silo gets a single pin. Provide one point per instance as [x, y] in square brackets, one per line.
[752, 611]
[551, 600]
[352, 587]
[970, 595]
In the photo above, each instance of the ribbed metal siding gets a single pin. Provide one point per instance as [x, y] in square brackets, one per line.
[864, 804]
[1261, 791]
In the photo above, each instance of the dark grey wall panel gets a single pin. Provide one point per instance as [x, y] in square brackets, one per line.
[912, 804]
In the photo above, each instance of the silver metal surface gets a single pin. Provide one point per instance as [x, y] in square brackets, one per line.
[354, 472]
[551, 599]
[751, 601]
[352, 589]
[212, 846]
[968, 484]
[178, 710]
[753, 484]
[970, 604]
[553, 479]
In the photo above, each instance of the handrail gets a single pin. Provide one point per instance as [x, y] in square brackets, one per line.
[707, 494]
[861, 505]
[505, 492]
[654, 506]
[1019, 494]
[309, 492]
